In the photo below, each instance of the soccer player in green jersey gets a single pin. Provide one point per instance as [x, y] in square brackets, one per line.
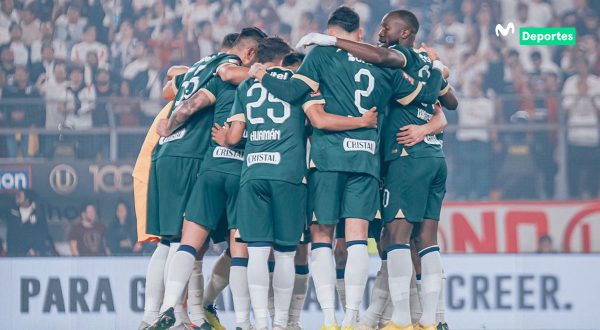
[272, 197]
[413, 192]
[178, 156]
[344, 181]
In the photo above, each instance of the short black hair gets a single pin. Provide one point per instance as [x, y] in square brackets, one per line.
[271, 49]
[345, 18]
[292, 59]
[250, 33]
[229, 40]
[409, 18]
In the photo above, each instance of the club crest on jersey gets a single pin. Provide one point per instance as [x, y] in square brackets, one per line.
[222, 152]
[359, 145]
[175, 136]
[408, 77]
[273, 158]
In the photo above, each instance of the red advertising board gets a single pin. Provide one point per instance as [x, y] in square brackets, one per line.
[509, 227]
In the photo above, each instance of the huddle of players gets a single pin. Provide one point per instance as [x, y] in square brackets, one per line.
[254, 189]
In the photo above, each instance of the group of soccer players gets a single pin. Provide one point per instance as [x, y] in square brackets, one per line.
[273, 152]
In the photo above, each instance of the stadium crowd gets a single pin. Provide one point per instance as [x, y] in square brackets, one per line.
[92, 64]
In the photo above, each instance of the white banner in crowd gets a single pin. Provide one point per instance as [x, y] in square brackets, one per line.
[492, 227]
[482, 292]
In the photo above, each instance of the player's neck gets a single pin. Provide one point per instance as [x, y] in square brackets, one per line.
[269, 65]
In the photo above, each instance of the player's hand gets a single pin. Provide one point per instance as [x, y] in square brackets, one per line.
[410, 135]
[433, 55]
[219, 134]
[176, 70]
[257, 70]
[161, 127]
[314, 38]
[370, 118]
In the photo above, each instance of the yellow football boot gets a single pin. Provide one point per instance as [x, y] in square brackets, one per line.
[392, 326]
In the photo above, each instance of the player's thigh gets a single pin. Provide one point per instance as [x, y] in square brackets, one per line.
[176, 177]
[207, 203]
[288, 203]
[255, 219]
[324, 196]
[232, 188]
[360, 197]
[406, 190]
[437, 190]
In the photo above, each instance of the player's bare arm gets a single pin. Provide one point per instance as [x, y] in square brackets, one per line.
[291, 90]
[326, 121]
[449, 100]
[233, 74]
[183, 112]
[410, 135]
[380, 56]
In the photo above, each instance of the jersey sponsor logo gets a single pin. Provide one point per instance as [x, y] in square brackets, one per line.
[175, 136]
[280, 75]
[432, 139]
[359, 145]
[352, 58]
[424, 115]
[265, 135]
[273, 158]
[222, 152]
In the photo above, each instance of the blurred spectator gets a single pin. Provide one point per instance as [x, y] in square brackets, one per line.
[517, 174]
[545, 245]
[27, 229]
[87, 235]
[23, 110]
[8, 16]
[207, 44]
[139, 64]
[581, 101]
[540, 13]
[545, 111]
[59, 47]
[46, 65]
[84, 98]
[7, 63]
[121, 234]
[89, 44]
[474, 144]
[19, 48]
[60, 100]
[30, 25]
[70, 26]
[122, 48]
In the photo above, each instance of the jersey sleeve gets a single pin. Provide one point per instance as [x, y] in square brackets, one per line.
[311, 68]
[445, 87]
[213, 88]
[228, 60]
[404, 87]
[312, 99]
[237, 110]
[403, 51]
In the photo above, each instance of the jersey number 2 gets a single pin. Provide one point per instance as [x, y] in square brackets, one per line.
[363, 93]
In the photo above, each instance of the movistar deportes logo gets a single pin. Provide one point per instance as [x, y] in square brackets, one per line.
[504, 31]
[540, 36]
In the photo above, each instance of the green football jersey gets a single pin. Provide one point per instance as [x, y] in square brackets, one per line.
[276, 135]
[351, 87]
[218, 158]
[419, 66]
[192, 138]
